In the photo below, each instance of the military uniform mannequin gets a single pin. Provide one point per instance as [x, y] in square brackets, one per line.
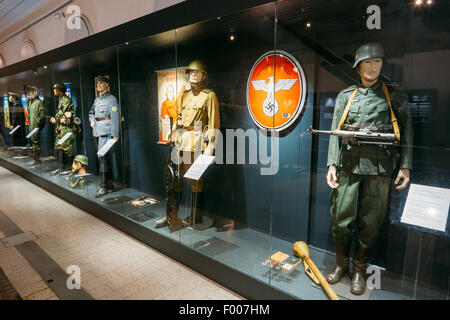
[36, 112]
[198, 116]
[64, 124]
[104, 117]
[360, 175]
[17, 118]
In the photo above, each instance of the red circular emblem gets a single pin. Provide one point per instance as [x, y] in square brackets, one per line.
[276, 91]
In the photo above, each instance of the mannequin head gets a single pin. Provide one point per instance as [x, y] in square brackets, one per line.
[370, 70]
[197, 72]
[79, 163]
[368, 62]
[32, 92]
[102, 84]
[59, 89]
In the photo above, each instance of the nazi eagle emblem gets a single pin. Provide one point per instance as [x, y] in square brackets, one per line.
[270, 104]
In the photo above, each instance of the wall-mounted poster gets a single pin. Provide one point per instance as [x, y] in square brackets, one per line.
[6, 112]
[171, 85]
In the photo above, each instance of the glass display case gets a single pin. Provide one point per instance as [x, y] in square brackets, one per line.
[245, 88]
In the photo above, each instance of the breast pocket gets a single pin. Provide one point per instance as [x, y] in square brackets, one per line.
[101, 111]
[354, 113]
[383, 114]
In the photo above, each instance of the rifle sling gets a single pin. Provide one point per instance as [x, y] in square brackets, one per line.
[388, 99]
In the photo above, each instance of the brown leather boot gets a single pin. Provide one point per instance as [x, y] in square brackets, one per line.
[342, 263]
[358, 286]
[175, 223]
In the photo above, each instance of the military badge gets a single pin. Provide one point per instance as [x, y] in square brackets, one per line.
[114, 109]
[276, 91]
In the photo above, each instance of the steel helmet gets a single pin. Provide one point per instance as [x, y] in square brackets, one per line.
[60, 86]
[198, 65]
[81, 158]
[367, 51]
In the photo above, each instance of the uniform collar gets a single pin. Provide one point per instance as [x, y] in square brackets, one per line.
[372, 89]
[103, 95]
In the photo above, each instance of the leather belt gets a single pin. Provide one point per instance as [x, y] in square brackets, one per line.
[104, 118]
[192, 128]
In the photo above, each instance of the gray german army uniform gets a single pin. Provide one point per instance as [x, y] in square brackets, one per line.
[364, 172]
[105, 115]
[36, 113]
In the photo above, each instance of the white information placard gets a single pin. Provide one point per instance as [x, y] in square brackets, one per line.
[32, 133]
[14, 130]
[199, 166]
[427, 207]
[104, 150]
[63, 139]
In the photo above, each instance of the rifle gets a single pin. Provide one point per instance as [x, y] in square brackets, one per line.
[360, 137]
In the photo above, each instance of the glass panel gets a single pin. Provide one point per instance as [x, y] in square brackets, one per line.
[234, 197]
[101, 126]
[282, 67]
[145, 157]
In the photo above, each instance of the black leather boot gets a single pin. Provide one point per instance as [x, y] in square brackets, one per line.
[100, 192]
[342, 263]
[67, 164]
[358, 286]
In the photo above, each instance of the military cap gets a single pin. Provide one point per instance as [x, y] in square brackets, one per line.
[60, 86]
[103, 79]
[367, 51]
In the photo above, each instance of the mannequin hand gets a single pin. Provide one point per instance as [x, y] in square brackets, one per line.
[52, 120]
[402, 174]
[332, 177]
[92, 124]
[115, 138]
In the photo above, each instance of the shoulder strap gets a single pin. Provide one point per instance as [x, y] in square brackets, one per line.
[393, 117]
[347, 109]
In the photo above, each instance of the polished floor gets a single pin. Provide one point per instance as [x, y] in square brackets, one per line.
[112, 265]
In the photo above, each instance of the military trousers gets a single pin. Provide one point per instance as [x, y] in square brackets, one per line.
[188, 159]
[361, 201]
[105, 163]
[36, 143]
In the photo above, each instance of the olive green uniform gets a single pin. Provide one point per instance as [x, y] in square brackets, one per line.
[364, 172]
[64, 124]
[36, 112]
